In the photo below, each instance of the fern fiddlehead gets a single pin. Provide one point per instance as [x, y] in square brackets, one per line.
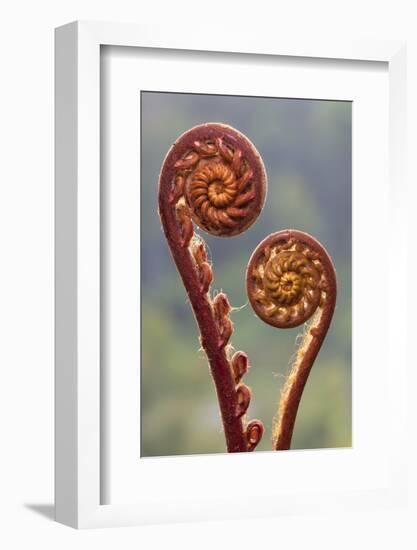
[291, 279]
[213, 176]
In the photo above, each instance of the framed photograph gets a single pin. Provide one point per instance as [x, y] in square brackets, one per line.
[219, 213]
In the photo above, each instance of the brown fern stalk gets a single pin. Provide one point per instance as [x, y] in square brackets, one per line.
[213, 176]
[290, 280]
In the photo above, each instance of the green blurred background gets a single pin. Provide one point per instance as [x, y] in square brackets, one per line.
[306, 148]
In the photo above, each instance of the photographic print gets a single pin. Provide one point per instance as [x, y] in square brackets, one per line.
[246, 234]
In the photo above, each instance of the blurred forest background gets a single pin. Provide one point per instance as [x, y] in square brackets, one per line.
[306, 148]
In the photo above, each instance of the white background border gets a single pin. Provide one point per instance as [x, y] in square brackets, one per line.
[77, 410]
[26, 280]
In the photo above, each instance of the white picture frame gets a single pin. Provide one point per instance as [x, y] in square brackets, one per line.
[78, 405]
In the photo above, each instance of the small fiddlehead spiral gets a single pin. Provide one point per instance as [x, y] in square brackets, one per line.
[213, 176]
[291, 279]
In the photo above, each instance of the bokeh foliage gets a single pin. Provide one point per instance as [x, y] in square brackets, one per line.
[306, 148]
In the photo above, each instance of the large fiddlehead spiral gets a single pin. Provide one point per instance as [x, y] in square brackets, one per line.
[214, 176]
[291, 279]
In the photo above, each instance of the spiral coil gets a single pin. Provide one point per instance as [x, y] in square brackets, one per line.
[286, 279]
[222, 179]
